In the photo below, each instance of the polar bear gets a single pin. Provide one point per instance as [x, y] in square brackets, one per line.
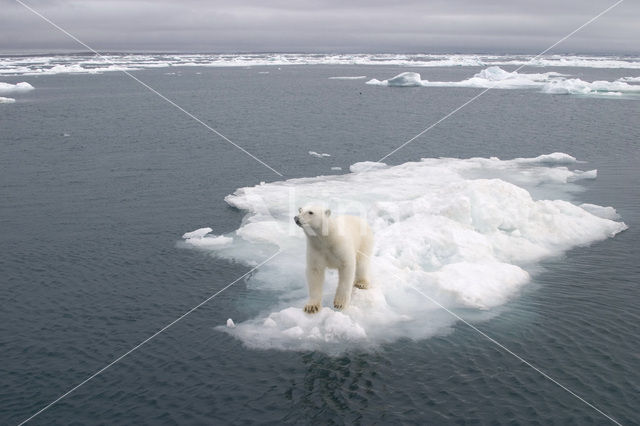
[344, 243]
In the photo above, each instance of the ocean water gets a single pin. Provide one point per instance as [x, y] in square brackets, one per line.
[100, 178]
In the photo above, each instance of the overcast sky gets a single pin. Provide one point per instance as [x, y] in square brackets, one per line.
[481, 26]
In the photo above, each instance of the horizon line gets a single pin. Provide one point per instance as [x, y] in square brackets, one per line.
[54, 52]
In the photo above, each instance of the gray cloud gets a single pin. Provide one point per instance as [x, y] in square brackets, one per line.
[516, 26]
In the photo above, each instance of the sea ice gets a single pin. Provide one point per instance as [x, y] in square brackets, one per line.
[15, 88]
[198, 233]
[355, 77]
[90, 64]
[579, 87]
[319, 155]
[630, 79]
[496, 78]
[202, 238]
[464, 234]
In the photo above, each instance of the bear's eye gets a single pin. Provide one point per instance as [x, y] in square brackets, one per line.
[310, 212]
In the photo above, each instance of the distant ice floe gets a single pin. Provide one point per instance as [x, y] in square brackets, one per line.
[494, 77]
[6, 88]
[93, 64]
[15, 88]
[201, 238]
[319, 155]
[497, 78]
[464, 232]
[355, 77]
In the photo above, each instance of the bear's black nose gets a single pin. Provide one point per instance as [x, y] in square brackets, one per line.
[297, 221]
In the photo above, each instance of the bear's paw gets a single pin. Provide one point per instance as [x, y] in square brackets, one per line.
[311, 308]
[363, 284]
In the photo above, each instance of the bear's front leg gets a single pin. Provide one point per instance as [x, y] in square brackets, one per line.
[315, 279]
[346, 274]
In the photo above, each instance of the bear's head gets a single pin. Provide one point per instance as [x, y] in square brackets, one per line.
[313, 219]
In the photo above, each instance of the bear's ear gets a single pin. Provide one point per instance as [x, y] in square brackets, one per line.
[327, 212]
[299, 209]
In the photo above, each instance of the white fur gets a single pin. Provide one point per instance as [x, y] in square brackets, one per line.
[344, 243]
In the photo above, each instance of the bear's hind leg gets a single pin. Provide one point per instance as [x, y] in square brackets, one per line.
[363, 259]
[346, 274]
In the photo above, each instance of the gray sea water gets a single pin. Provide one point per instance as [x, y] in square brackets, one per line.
[99, 178]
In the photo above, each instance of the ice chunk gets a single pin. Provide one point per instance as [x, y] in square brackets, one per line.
[209, 241]
[376, 82]
[355, 77]
[203, 239]
[4, 100]
[554, 158]
[318, 155]
[198, 233]
[405, 79]
[230, 323]
[630, 79]
[495, 74]
[15, 88]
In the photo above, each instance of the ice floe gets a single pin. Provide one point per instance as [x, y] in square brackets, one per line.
[92, 64]
[355, 77]
[466, 233]
[74, 64]
[497, 78]
[15, 88]
[319, 155]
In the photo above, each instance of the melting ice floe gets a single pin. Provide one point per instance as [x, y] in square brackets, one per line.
[4, 100]
[464, 232]
[497, 78]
